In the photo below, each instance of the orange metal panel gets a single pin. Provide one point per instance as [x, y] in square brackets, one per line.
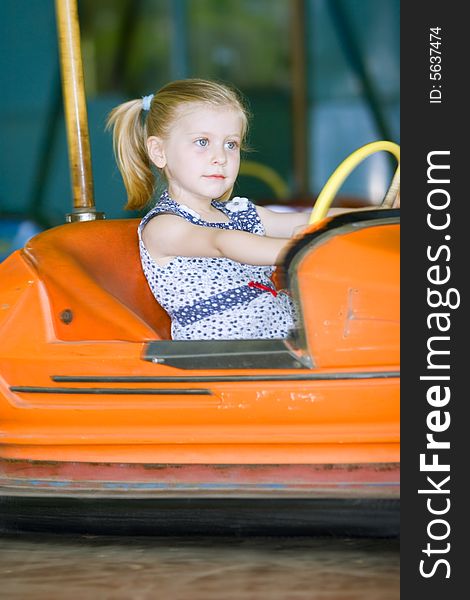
[144, 413]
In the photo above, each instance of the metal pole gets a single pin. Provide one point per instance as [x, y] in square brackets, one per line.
[299, 97]
[353, 55]
[73, 91]
[179, 39]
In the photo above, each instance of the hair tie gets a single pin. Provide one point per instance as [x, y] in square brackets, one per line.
[146, 101]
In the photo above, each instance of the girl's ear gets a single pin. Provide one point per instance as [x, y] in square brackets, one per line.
[156, 151]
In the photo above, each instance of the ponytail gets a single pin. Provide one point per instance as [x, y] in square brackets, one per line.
[130, 150]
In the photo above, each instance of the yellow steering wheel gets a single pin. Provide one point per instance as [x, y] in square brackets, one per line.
[328, 193]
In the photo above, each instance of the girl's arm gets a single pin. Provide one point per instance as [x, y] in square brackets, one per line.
[288, 224]
[167, 236]
[281, 224]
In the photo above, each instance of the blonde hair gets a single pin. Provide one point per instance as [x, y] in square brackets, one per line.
[132, 126]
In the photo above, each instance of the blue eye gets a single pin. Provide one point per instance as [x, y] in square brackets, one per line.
[202, 142]
[232, 145]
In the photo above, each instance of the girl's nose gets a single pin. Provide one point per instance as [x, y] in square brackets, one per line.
[219, 156]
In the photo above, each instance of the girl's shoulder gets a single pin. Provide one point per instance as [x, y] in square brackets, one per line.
[165, 205]
[243, 213]
[238, 204]
[236, 207]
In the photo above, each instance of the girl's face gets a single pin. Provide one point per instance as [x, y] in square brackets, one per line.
[201, 154]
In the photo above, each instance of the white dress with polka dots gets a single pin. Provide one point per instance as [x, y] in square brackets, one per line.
[217, 298]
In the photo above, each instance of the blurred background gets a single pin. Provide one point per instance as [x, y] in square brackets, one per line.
[321, 78]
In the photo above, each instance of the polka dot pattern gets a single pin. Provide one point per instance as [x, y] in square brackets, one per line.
[209, 298]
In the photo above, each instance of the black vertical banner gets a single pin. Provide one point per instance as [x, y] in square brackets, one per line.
[435, 207]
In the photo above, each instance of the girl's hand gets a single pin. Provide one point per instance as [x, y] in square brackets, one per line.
[299, 229]
[396, 201]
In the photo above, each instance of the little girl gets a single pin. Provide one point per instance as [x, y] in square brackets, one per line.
[207, 260]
